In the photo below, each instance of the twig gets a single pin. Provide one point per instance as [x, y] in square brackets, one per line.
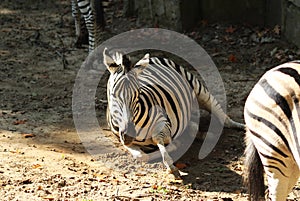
[64, 61]
[103, 101]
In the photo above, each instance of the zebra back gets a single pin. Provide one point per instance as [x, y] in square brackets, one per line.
[205, 99]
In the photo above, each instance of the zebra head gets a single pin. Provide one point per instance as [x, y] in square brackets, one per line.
[122, 95]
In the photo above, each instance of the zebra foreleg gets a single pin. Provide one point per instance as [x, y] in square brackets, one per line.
[168, 162]
[160, 139]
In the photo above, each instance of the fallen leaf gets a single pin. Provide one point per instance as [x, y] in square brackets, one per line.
[226, 38]
[15, 151]
[101, 177]
[49, 197]
[4, 52]
[6, 30]
[116, 181]
[17, 122]
[26, 181]
[181, 165]
[232, 58]
[277, 29]
[230, 30]
[204, 22]
[237, 191]
[28, 135]
[267, 40]
[140, 174]
[175, 181]
[36, 166]
[272, 53]
[44, 76]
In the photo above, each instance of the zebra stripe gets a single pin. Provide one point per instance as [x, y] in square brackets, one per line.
[272, 119]
[88, 14]
[156, 97]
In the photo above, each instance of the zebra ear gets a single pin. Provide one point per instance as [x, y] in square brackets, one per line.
[118, 58]
[144, 61]
[142, 64]
[109, 62]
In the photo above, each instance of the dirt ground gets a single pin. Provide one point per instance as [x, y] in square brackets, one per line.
[41, 155]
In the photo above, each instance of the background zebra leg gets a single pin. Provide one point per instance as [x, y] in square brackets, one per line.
[80, 29]
[93, 14]
[89, 23]
[99, 21]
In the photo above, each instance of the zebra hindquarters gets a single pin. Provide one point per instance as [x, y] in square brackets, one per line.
[280, 185]
[281, 169]
[272, 121]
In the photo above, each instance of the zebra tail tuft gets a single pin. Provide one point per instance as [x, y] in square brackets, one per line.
[253, 171]
[229, 123]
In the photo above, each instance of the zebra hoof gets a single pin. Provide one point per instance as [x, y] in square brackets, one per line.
[141, 157]
[177, 174]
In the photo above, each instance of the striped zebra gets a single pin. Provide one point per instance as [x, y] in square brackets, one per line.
[272, 137]
[89, 19]
[150, 103]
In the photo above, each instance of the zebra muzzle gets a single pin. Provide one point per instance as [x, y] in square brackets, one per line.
[127, 139]
[128, 136]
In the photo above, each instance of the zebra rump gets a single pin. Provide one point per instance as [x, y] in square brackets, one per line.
[272, 133]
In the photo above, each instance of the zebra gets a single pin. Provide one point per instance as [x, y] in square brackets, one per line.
[149, 103]
[272, 133]
[88, 16]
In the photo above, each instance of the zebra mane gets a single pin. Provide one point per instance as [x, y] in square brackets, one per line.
[126, 63]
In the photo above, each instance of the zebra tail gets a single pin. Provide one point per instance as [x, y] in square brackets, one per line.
[253, 171]
[208, 102]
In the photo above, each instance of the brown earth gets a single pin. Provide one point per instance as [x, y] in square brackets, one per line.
[41, 155]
